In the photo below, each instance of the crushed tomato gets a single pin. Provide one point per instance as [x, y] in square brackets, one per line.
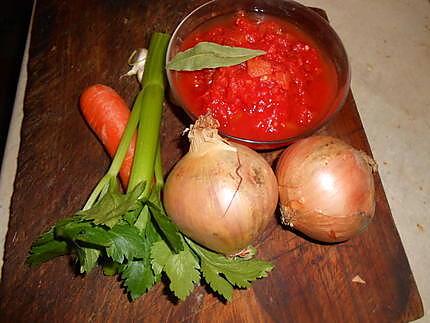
[271, 97]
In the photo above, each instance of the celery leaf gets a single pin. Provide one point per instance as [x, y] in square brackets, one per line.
[126, 243]
[160, 253]
[219, 270]
[216, 282]
[183, 272]
[167, 227]
[113, 205]
[83, 232]
[138, 278]
[46, 248]
[181, 268]
[87, 258]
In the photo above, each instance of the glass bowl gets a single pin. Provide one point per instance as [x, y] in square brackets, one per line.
[304, 18]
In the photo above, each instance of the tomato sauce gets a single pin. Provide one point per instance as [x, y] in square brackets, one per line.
[271, 97]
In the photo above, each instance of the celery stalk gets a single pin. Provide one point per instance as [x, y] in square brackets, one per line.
[150, 117]
[120, 153]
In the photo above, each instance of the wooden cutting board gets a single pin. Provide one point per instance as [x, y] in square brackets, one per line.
[78, 43]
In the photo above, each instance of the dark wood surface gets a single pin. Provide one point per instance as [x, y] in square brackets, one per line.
[78, 43]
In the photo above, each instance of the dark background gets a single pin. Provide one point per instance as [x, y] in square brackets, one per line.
[14, 22]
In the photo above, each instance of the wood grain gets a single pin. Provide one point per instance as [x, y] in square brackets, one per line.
[78, 43]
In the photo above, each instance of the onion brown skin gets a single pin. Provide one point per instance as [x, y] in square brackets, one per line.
[326, 188]
[222, 198]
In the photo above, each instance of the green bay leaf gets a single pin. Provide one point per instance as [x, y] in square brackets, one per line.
[211, 55]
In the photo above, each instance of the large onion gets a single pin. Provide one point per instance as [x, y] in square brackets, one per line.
[326, 188]
[220, 194]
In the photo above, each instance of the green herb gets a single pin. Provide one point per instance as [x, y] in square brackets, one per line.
[138, 277]
[87, 258]
[111, 207]
[211, 55]
[182, 268]
[223, 273]
[115, 229]
[47, 247]
[129, 233]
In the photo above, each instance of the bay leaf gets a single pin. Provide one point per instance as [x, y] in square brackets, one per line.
[211, 55]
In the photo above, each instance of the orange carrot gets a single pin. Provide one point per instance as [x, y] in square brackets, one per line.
[107, 114]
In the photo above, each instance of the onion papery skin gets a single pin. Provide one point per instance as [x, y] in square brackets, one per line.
[326, 188]
[222, 195]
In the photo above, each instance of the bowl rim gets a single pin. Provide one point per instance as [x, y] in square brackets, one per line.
[277, 142]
